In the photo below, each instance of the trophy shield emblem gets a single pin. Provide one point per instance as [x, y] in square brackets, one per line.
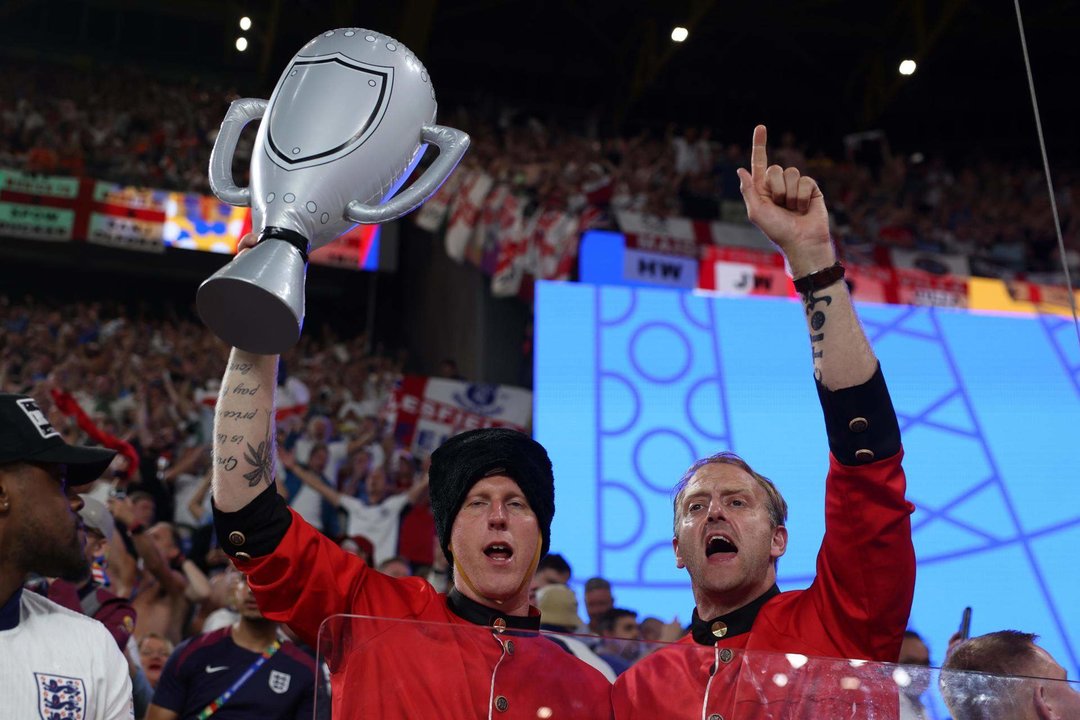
[343, 102]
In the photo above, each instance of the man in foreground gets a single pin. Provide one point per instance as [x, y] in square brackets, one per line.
[53, 662]
[242, 671]
[729, 528]
[474, 651]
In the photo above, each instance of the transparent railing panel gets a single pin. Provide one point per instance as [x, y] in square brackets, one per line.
[388, 668]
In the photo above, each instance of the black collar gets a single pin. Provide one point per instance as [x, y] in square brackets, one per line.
[9, 611]
[478, 614]
[737, 621]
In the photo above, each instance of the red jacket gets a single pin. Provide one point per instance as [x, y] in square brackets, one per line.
[418, 653]
[857, 606]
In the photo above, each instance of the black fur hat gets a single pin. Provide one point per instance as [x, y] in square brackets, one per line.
[464, 459]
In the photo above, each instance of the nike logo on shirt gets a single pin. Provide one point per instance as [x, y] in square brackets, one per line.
[212, 669]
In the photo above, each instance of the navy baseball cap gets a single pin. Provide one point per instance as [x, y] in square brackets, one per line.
[26, 434]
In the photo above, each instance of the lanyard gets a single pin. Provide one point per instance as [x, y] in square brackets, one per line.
[224, 697]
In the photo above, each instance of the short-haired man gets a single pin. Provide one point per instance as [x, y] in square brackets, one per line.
[53, 662]
[621, 644]
[729, 528]
[475, 651]
[242, 671]
[552, 570]
[973, 691]
[598, 600]
[916, 656]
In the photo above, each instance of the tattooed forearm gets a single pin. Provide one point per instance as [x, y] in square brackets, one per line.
[261, 460]
[226, 463]
[817, 325]
[244, 430]
[242, 389]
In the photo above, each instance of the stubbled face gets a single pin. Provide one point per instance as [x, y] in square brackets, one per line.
[725, 538]
[494, 540]
[45, 530]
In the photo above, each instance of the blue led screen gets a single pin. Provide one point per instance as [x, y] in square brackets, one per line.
[633, 384]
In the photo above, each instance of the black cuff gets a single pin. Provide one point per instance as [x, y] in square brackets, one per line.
[860, 421]
[255, 529]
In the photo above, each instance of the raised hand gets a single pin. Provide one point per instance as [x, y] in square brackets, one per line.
[789, 208]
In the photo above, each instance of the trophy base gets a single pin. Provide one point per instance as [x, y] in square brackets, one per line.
[237, 306]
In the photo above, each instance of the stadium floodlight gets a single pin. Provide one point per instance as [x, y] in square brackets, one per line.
[245, 23]
[679, 34]
[907, 67]
[241, 43]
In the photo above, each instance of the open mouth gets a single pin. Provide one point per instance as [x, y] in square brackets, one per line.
[719, 544]
[499, 551]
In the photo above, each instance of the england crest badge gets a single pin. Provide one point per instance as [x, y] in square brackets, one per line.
[61, 698]
[279, 681]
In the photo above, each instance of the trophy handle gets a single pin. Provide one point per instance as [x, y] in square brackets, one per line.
[240, 113]
[452, 145]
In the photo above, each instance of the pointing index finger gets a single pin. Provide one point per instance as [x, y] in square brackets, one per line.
[759, 161]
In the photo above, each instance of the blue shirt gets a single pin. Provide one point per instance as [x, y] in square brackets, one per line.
[204, 667]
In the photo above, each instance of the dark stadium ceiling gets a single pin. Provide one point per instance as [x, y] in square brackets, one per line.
[820, 67]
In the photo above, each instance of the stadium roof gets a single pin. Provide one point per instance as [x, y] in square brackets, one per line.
[821, 67]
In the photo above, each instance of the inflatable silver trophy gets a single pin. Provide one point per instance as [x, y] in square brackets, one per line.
[346, 125]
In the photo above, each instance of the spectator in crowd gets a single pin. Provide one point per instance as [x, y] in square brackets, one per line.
[916, 657]
[220, 609]
[154, 652]
[417, 531]
[1005, 676]
[493, 499]
[53, 661]
[379, 519]
[242, 671]
[621, 643]
[395, 566]
[729, 521]
[651, 629]
[598, 600]
[166, 582]
[995, 212]
[558, 608]
[553, 570]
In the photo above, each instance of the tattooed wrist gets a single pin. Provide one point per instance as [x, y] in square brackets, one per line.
[816, 318]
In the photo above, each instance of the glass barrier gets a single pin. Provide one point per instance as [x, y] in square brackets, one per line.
[385, 668]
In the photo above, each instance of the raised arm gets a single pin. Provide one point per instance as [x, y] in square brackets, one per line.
[310, 478]
[420, 484]
[243, 463]
[790, 209]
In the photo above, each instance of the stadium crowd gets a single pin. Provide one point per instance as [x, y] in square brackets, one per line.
[146, 384]
[998, 214]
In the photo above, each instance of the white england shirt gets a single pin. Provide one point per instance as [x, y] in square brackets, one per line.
[56, 664]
